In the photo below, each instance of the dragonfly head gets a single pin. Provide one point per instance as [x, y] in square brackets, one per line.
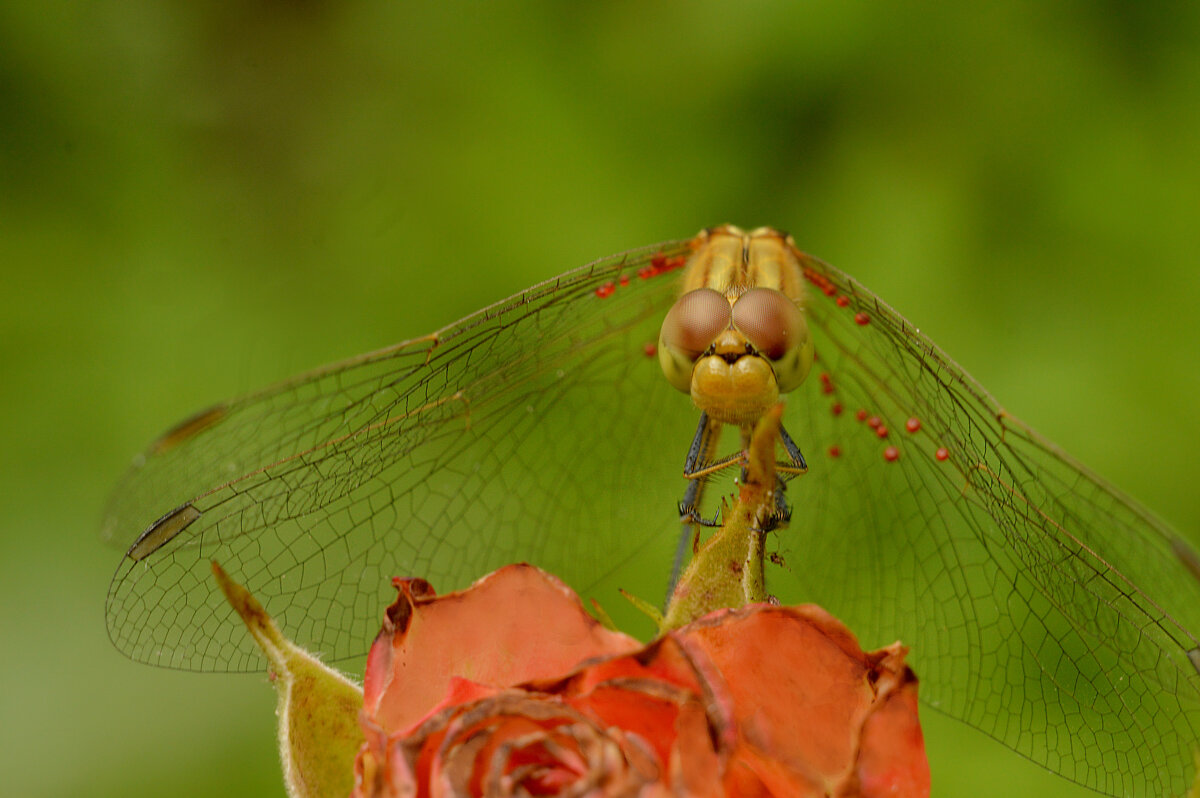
[736, 352]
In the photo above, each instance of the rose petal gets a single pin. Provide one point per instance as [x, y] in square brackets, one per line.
[799, 695]
[802, 691]
[892, 759]
[752, 772]
[518, 743]
[514, 625]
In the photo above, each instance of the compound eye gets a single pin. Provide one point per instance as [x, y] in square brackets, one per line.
[692, 324]
[777, 329]
[769, 320]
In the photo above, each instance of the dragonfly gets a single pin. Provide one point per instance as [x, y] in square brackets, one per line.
[1042, 605]
[734, 341]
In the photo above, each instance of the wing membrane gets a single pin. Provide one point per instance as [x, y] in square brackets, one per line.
[443, 457]
[1042, 605]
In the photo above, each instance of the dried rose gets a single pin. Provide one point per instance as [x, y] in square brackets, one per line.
[510, 688]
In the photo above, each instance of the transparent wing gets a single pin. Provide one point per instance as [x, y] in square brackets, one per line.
[1041, 605]
[519, 433]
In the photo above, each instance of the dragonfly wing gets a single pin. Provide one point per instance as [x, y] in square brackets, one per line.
[1042, 606]
[523, 432]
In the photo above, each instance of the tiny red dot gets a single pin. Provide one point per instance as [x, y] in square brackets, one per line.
[843, 301]
[646, 272]
[942, 453]
[624, 279]
[605, 290]
[873, 422]
[881, 431]
[860, 414]
[834, 451]
[891, 454]
[836, 408]
[913, 424]
[650, 349]
[862, 319]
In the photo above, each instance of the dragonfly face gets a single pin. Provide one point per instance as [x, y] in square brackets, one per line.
[737, 338]
[1041, 605]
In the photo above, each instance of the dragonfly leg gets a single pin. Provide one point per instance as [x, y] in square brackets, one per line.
[700, 464]
[701, 442]
[782, 513]
[689, 511]
[697, 466]
[798, 464]
[794, 466]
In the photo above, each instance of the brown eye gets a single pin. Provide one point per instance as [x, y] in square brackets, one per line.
[691, 325]
[777, 329]
[694, 321]
[769, 320]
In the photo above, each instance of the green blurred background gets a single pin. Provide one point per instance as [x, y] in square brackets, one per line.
[197, 198]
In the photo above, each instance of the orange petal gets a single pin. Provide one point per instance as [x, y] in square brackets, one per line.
[892, 761]
[751, 773]
[799, 696]
[515, 625]
[664, 660]
[801, 692]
